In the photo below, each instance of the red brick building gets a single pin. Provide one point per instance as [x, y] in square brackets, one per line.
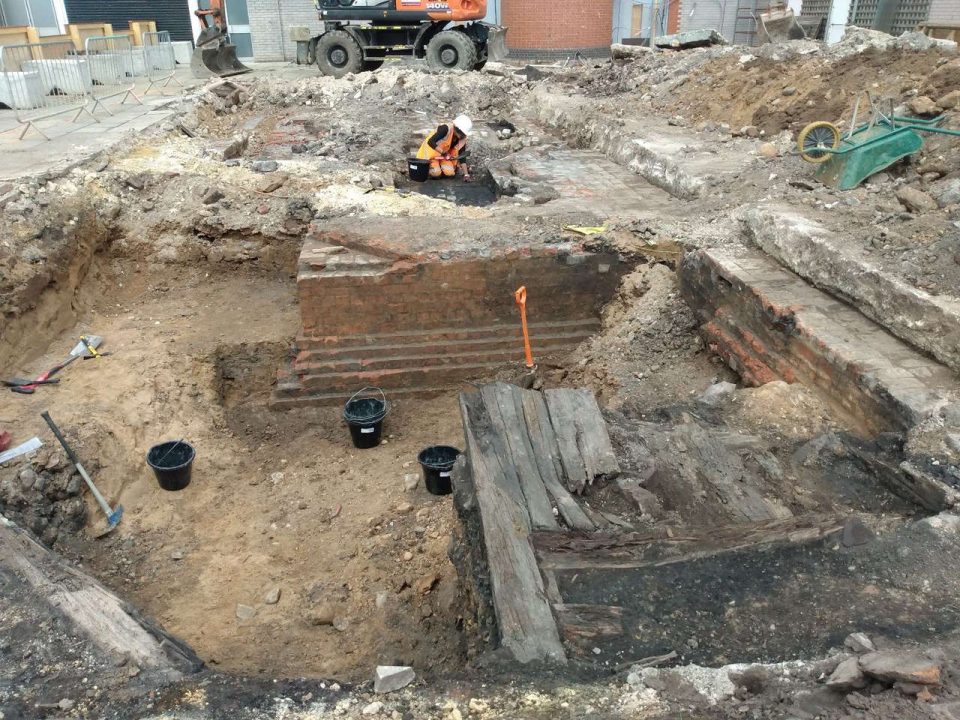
[547, 29]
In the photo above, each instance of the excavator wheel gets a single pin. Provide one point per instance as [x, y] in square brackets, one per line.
[452, 50]
[338, 54]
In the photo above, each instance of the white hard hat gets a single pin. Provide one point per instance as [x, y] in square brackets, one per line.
[463, 124]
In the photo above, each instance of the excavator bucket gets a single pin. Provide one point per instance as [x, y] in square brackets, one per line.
[216, 61]
[497, 43]
[778, 25]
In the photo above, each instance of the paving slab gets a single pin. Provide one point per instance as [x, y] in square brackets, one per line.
[72, 143]
[560, 179]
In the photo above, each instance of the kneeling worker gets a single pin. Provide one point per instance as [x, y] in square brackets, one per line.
[445, 145]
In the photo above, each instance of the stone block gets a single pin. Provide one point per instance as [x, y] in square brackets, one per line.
[389, 678]
[690, 39]
[848, 676]
[905, 667]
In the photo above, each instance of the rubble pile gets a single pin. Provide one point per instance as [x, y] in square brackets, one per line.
[778, 86]
[43, 494]
[400, 89]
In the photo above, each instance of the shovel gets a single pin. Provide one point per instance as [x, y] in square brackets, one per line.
[528, 379]
[113, 516]
[81, 349]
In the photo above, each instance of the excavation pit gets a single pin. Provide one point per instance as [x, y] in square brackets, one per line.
[453, 190]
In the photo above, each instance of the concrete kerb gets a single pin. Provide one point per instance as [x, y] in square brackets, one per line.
[671, 158]
[929, 323]
[575, 118]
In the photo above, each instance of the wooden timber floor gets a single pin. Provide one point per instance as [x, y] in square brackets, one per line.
[688, 541]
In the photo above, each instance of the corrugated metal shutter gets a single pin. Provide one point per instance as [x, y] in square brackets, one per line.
[171, 15]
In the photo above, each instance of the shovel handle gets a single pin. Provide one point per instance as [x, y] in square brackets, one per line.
[63, 442]
[521, 297]
[112, 517]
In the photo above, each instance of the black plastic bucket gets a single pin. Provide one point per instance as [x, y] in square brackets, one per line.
[419, 169]
[171, 462]
[437, 462]
[364, 415]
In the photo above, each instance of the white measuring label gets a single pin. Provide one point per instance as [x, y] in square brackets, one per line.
[445, 474]
[367, 431]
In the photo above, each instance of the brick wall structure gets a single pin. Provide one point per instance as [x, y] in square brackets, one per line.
[542, 28]
[419, 322]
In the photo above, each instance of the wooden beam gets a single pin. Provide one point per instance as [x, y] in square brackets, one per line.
[582, 551]
[583, 626]
[565, 429]
[509, 434]
[110, 623]
[585, 449]
[543, 441]
[524, 618]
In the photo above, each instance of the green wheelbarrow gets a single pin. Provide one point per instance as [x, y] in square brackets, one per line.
[846, 161]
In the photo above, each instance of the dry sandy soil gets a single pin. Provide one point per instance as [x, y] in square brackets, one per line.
[277, 501]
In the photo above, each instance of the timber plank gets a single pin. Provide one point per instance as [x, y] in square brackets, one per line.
[502, 403]
[585, 448]
[524, 618]
[599, 459]
[709, 460]
[563, 420]
[604, 550]
[111, 624]
[547, 454]
[583, 626]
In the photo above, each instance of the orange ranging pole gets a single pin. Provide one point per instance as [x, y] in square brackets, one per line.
[521, 297]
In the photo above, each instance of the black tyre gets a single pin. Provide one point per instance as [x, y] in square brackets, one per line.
[452, 50]
[371, 65]
[339, 54]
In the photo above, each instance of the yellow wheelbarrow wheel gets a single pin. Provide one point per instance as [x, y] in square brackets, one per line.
[815, 138]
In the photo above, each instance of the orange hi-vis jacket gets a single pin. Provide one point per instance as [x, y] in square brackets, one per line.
[442, 146]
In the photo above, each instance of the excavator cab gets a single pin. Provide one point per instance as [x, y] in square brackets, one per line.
[213, 55]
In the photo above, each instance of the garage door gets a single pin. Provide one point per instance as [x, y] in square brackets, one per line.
[171, 15]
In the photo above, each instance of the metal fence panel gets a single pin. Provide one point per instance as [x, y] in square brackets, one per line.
[159, 61]
[113, 66]
[41, 80]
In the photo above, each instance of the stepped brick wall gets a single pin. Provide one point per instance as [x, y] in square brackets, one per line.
[421, 323]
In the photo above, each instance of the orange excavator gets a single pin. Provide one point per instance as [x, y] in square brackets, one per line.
[213, 54]
[361, 34]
